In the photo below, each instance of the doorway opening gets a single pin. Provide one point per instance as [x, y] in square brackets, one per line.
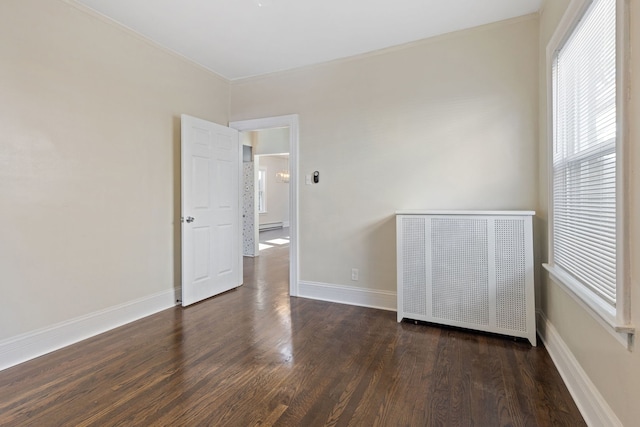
[273, 147]
[271, 196]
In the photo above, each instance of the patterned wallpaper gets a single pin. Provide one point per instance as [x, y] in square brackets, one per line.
[248, 234]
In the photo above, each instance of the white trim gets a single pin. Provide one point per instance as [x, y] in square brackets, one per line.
[264, 189]
[567, 23]
[623, 85]
[619, 323]
[594, 409]
[437, 212]
[384, 300]
[604, 314]
[34, 344]
[292, 122]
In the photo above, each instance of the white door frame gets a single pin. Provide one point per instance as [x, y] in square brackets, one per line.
[290, 121]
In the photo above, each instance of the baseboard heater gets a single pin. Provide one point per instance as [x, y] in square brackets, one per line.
[470, 269]
[271, 226]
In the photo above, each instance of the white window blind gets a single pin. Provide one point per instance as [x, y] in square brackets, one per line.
[584, 152]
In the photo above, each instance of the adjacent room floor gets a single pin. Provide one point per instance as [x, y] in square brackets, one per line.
[255, 356]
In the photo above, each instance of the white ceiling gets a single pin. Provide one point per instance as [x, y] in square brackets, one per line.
[243, 38]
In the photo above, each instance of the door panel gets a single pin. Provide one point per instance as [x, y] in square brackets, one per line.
[211, 236]
[201, 256]
[223, 255]
[224, 179]
[201, 183]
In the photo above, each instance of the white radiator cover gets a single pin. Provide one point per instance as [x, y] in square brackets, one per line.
[470, 269]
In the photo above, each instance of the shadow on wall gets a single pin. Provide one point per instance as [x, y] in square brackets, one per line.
[177, 226]
[540, 253]
[380, 243]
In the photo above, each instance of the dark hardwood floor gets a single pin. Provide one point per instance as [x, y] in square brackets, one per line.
[254, 356]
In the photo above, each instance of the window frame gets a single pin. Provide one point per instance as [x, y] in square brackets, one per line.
[616, 320]
[262, 170]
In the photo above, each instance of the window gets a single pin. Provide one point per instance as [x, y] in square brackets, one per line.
[262, 190]
[585, 251]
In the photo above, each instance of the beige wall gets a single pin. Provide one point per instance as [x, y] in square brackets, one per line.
[277, 191]
[447, 123]
[89, 162]
[271, 141]
[89, 152]
[614, 370]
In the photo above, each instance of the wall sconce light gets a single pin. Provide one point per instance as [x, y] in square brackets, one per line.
[282, 176]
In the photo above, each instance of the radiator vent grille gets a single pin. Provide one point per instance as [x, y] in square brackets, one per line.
[460, 278]
[414, 266]
[511, 297]
[469, 269]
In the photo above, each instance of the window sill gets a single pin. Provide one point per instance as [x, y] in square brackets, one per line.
[602, 313]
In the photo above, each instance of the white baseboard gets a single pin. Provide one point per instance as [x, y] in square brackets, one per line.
[385, 300]
[592, 406]
[21, 348]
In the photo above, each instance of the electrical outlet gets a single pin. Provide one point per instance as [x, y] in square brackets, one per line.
[355, 273]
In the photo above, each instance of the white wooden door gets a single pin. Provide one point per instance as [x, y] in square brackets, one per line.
[211, 256]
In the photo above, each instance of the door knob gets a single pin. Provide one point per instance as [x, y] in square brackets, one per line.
[190, 219]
